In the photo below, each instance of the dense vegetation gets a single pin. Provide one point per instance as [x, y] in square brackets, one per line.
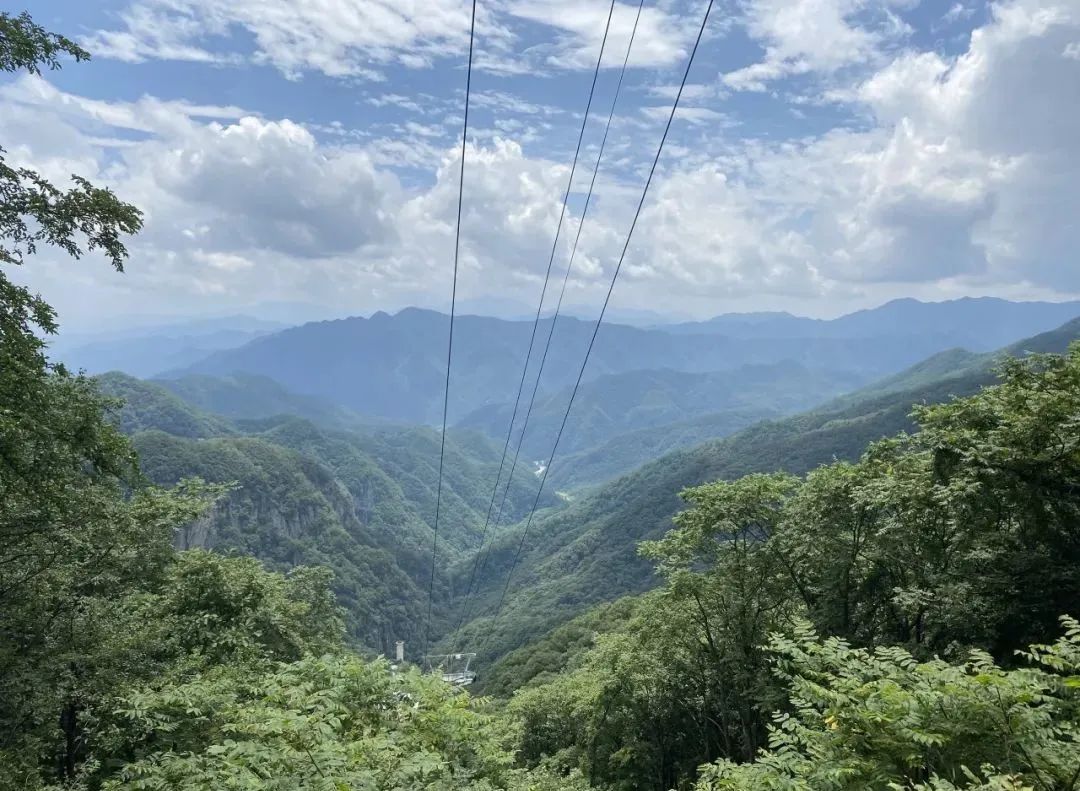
[933, 557]
[613, 405]
[246, 397]
[145, 406]
[361, 504]
[126, 664]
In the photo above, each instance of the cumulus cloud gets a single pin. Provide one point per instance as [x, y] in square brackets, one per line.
[268, 183]
[974, 133]
[257, 208]
[968, 175]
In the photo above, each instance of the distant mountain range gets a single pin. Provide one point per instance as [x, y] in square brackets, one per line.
[149, 350]
[321, 482]
[392, 367]
[975, 323]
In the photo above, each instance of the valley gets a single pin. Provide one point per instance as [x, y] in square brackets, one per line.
[318, 483]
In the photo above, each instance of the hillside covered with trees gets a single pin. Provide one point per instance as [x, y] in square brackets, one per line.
[881, 593]
[585, 554]
[360, 503]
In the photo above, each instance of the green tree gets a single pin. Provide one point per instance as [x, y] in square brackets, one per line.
[686, 679]
[50, 427]
[880, 721]
[75, 524]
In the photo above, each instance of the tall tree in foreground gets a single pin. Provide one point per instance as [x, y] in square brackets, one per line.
[125, 664]
[51, 431]
[76, 526]
[881, 720]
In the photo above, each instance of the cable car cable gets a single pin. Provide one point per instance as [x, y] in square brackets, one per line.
[536, 321]
[603, 310]
[570, 263]
[450, 341]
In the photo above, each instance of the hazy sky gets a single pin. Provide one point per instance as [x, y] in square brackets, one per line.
[300, 158]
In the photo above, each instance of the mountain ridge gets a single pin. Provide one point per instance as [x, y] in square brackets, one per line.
[393, 366]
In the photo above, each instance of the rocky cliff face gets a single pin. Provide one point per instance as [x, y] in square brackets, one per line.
[287, 509]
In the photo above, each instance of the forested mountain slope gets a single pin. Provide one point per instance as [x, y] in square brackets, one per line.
[247, 397]
[586, 553]
[626, 452]
[616, 404]
[145, 405]
[866, 626]
[360, 504]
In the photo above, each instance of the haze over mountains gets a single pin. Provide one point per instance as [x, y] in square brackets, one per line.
[313, 481]
[977, 324]
[306, 413]
[647, 391]
[146, 351]
[587, 553]
[255, 535]
[391, 367]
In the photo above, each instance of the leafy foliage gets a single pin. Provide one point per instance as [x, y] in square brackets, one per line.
[34, 211]
[329, 722]
[560, 650]
[882, 720]
[25, 45]
[936, 564]
[958, 540]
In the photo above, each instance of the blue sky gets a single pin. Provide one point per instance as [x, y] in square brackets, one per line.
[300, 158]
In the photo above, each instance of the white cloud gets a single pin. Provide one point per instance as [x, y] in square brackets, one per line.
[661, 39]
[505, 102]
[256, 208]
[358, 38]
[693, 115]
[801, 36]
[713, 237]
[989, 138]
[957, 13]
[269, 184]
[691, 91]
[161, 31]
[338, 38]
[969, 176]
